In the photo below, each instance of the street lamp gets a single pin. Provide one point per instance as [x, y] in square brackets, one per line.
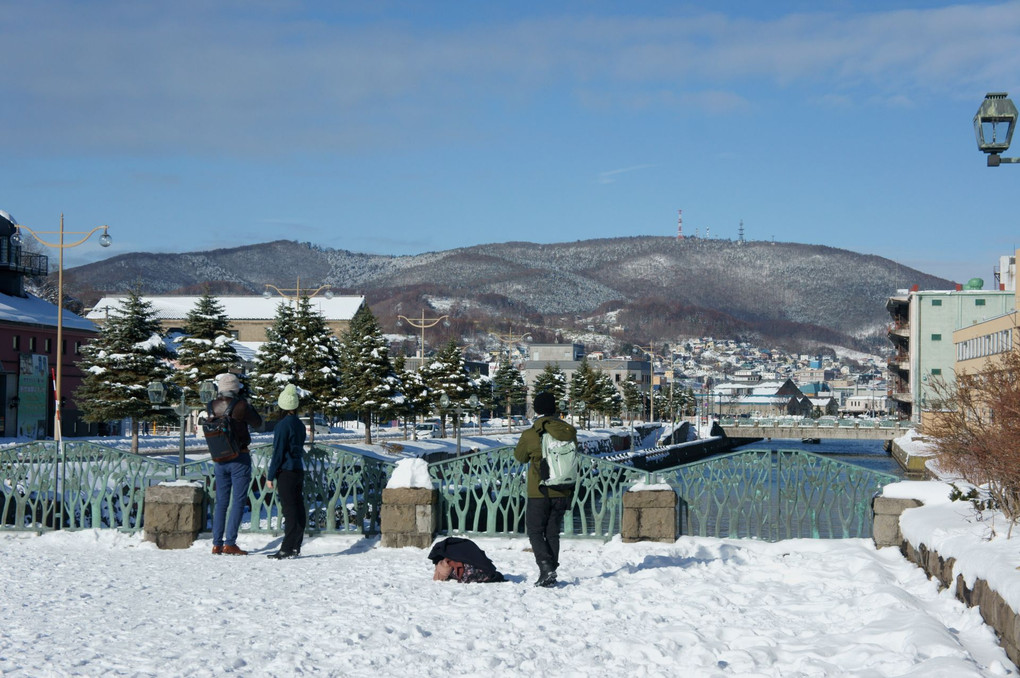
[156, 391]
[994, 124]
[423, 324]
[444, 402]
[510, 342]
[297, 292]
[104, 240]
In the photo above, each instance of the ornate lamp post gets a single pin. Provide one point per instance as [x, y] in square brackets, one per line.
[510, 340]
[297, 292]
[157, 395]
[104, 240]
[422, 324]
[994, 124]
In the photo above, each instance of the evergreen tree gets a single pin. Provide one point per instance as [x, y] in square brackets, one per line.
[274, 365]
[508, 388]
[583, 388]
[631, 397]
[302, 350]
[205, 349]
[551, 380]
[445, 374]
[120, 362]
[370, 384]
[607, 397]
[416, 393]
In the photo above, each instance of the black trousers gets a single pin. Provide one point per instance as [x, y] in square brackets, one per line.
[291, 485]
[544, 522]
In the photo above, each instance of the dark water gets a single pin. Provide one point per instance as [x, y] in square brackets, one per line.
[870, 454]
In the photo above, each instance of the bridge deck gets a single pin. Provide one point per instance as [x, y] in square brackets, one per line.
[841, 431]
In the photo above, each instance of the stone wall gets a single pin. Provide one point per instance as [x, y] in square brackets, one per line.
[650, 515]
[409, 516]
[173, 514]
[994, 610]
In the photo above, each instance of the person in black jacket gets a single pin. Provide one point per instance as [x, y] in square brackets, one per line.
[232, 477]
[462, 560]
[287, 473]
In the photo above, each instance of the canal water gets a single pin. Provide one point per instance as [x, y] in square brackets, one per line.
[870, 454]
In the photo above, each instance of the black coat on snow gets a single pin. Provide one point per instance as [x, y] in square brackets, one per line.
[467, 552]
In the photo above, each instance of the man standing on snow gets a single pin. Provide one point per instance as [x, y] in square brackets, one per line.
[232, 477]
[546, 506]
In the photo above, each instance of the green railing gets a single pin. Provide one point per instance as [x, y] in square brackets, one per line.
[486, 493]
[758, 493]
[774, 495]
[343, 491]
[92, 486]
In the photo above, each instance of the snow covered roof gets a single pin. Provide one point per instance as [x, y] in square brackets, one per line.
[36, 311]
[236, 308]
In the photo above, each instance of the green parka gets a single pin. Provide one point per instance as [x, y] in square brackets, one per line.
[529, 449]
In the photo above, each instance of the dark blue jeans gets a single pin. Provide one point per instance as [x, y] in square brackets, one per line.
[233, 478]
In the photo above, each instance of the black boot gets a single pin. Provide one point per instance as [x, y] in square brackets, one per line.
[281, 554]
[546, 574]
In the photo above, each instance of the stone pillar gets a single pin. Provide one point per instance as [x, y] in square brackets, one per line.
[650, 515]
[173, 514]
[886, 528]
[409, 516]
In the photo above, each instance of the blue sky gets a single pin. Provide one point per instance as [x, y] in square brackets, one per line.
[406, 127]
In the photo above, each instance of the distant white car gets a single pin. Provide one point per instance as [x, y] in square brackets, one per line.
[428, 430]
[321, 427]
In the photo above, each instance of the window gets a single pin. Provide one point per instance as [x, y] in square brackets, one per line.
[936, 337]
[77, 347]
[31, 344]
[17, 342]
[936, 302]
[47, 345]
[979, 302]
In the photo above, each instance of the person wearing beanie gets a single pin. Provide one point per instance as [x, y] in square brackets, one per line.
[233, 476]
[546, 505]
[287, 473]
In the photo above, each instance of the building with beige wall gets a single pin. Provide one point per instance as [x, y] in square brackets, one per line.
[249, 316]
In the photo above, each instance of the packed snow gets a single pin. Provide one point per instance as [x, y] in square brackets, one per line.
[102, 602]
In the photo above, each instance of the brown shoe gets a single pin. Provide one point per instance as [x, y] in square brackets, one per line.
[217, 550]
[232, 550]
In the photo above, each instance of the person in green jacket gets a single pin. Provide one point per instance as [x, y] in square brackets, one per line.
[546, 506]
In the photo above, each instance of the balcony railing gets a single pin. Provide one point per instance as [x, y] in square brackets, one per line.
[13, 258]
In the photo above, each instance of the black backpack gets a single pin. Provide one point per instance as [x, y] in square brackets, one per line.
[219, 434]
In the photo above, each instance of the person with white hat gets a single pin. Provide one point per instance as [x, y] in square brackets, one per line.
[287, 473]
[233, 477]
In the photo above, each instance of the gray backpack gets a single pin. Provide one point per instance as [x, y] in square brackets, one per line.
[560, 463]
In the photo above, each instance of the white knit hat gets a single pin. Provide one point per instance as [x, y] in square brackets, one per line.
[288, 399]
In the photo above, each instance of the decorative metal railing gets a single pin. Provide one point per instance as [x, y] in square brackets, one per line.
[486, 493]
[773, 495]
[758, 493]
[92, 486]
[343, 491]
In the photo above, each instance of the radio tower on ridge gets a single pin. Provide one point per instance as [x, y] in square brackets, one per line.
[679, 224]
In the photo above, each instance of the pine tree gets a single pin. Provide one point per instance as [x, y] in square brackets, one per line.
[302, 350]
[445, 374]
[205, 349]
[583, 388]
[551, 380]
[370, 384]
[508, 388]
[631, 397]
[274, 365]
[607, 397]
[416, 393]
[118, 365]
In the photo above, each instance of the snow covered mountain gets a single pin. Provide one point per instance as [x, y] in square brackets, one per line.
[647, 288]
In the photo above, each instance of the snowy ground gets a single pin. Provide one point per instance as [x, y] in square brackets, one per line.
[102, 603]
